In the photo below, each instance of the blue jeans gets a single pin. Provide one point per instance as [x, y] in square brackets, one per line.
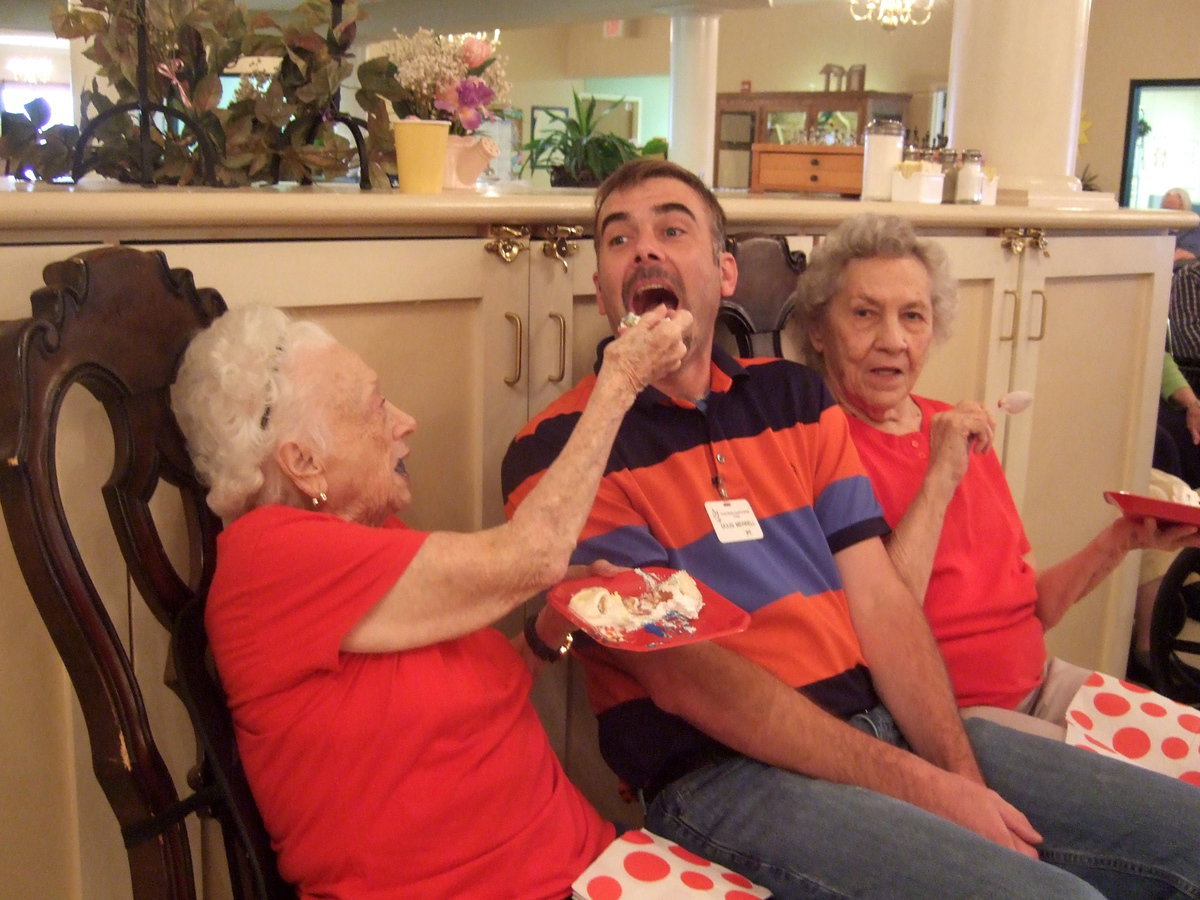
[1109, 828]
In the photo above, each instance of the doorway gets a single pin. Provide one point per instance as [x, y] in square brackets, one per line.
[1162, 141]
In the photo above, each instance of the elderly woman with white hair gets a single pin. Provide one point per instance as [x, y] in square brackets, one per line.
[386, 732]
[870, 307]
[1187, 240]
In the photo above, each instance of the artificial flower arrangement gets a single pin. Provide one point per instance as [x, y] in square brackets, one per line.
[455, 77]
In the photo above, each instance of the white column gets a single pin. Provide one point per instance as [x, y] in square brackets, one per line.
[1015, 92]
[693, 105]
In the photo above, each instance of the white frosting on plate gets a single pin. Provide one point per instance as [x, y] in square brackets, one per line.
[673, 601]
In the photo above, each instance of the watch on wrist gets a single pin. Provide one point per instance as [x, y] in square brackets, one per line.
[540, 648]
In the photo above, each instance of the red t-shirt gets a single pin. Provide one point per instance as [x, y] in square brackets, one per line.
[982, 598]
[418, 774]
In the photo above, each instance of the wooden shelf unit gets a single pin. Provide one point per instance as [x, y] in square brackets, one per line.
[786, 118]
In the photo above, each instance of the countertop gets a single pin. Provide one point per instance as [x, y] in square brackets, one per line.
[108, 211]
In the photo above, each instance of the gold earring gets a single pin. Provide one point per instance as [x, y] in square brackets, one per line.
[319, 499]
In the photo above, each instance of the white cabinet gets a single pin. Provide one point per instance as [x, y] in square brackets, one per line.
[1082, 328]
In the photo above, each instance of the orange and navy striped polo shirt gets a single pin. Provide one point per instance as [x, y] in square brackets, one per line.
[768, 432]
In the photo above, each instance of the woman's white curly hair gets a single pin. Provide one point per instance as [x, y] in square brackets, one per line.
[868, 236]
[236, 398]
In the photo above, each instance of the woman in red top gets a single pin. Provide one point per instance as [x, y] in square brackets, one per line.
[872, 303]
[386, 731]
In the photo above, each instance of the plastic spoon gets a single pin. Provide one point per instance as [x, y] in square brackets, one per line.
[1015, 402]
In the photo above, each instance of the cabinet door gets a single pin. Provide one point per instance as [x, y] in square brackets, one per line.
[1090, 343]
[975, 362]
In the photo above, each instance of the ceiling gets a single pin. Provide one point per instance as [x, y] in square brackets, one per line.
[452, 15]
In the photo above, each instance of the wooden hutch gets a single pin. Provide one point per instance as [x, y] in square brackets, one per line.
[807, 141]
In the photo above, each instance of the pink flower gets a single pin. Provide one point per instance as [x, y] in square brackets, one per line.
[467, 101]
[475, 52]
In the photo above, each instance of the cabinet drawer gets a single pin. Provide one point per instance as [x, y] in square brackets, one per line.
[784, 168]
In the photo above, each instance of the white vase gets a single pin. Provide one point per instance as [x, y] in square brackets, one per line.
[466, 157]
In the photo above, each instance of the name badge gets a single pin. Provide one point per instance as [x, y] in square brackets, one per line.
[733, 521]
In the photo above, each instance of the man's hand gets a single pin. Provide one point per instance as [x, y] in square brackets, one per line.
[983, 811]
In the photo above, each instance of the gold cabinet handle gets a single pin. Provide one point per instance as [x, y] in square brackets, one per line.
[560, 242]
[1042, 318]
[1016, 300]
[562, 348]
[520, 348]
[506, 242]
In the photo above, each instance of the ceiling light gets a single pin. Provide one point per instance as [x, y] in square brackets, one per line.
[892, 13]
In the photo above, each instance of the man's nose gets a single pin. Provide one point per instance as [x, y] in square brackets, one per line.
[647, 247]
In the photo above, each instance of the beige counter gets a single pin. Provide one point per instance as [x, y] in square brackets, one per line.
[110, 212]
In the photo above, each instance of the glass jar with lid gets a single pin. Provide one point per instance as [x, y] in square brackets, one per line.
[883, 149]
[969, 188]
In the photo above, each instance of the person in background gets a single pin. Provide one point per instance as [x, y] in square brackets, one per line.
[386, 732]
[1187, 240]
[870, 306]
[1177, 442]
[819, 752]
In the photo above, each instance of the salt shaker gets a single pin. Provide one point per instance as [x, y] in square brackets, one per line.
[969, 188]
[883, 148]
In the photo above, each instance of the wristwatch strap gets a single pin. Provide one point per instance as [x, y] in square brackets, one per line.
[540, 648]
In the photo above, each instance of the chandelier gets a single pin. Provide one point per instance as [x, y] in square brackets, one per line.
[891, 13]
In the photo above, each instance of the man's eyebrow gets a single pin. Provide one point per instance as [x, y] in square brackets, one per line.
[612, 217]
[675, 207]
[658, 210]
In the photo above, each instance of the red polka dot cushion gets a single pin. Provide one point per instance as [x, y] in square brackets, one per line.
[1127, 721]
[640, 865]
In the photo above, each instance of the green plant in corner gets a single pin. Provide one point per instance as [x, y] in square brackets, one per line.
[576, 154]
[1088, 179]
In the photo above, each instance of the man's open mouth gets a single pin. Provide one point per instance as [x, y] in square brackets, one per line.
[401, 469]
[650, 287]
[648, 297]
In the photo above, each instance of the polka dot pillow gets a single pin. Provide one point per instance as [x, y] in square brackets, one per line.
[640, 865]
[1129, 722]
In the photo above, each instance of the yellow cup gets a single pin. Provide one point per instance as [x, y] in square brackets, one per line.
[420, 154]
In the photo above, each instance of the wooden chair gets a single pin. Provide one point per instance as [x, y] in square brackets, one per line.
[115, 321]
[761, 305]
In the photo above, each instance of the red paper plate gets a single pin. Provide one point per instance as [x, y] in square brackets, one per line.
[1135, 506]
[718, 617]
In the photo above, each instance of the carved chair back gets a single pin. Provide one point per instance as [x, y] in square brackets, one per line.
[114, 321]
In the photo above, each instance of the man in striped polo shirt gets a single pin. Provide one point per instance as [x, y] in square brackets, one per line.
[755, 749]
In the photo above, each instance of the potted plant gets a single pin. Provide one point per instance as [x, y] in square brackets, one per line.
[576, 154]
[281, 131]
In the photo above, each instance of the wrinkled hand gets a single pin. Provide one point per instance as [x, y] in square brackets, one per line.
[1145, 534]
[653, 348]
[979, 808]
[954, 434]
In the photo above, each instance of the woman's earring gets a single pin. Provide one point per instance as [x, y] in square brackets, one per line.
[318, 500]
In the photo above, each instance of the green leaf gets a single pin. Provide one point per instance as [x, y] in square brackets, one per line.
[38, 111]
[207, 94]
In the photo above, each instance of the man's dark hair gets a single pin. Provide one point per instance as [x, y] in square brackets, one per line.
[637, 171]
